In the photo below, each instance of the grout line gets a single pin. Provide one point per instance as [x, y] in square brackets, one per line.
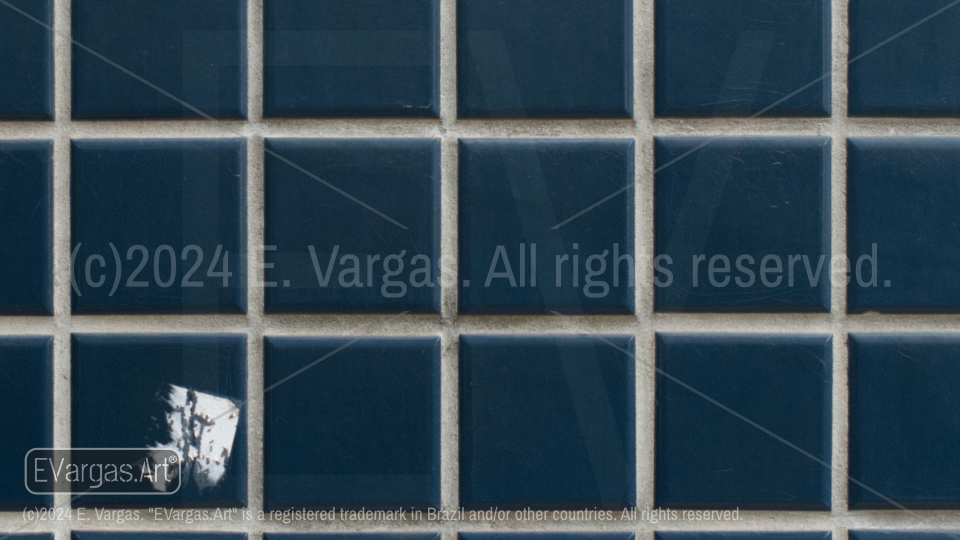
[838, 229]
[254, 407]
[61, 241]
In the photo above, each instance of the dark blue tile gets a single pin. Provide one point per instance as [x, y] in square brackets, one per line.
[159, 226]
[742, 224]
[544, 59]
[354, 535]
[903, 534]
[904, 421]
[26, 399]
[26, 60]
[359, 428]
[707, 457]
[742, 535]
[139, 535]
[903, 226]
[331, 252]
[127, 389]
[26, 227]
[547, 422]
[580, 535]
[742, 57]
[168, 54]
[512, 195]
[357, 59]
[918, 74]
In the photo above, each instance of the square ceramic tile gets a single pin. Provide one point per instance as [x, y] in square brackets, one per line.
[351, 59]
[513, 194]
[742, 535]
[547, 422]
[742, 224]
[26, 227]
[354, 536]
[26, 60]
[918, 74]
[370, 243]
[902, 225]
[158, 226]
[739, 58]
[707, 457]
[544, 59]
[131, 391]
[139, 535]
[903, 534]
[358, 427]
[182, 55]
[26, 399]
[580, 535]
[904, 420]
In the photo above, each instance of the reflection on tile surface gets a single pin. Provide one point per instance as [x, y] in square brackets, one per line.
[706, 457]
[547, 422]
[121, 394]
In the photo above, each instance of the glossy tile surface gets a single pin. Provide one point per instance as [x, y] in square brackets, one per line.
[547, 422]
[903, 534]
[707, 457]
[513, 193]
[919, 74]
[173, 535]
[360, 429]
[742, 224]
[375, 249]
[120, 389]
[26, 60]
[351, 59]
[903, 226]
[738, 58]
[580, 535]
[904, 420]
[544, 59]
[158, 226]
[742, 535]
[26, 227]
[26, 399]
[184, 56]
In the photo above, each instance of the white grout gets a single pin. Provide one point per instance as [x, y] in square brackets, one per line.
[643, 128]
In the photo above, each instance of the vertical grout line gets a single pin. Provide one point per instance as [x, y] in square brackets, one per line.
[643, 65]
[254, 61]
[61, 242]
[449, 389]
[840, 35]
[255, 320]
[254, 408]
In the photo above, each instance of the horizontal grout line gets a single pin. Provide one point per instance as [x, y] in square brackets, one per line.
[750, 520]
[473, 129]
[386, 325]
